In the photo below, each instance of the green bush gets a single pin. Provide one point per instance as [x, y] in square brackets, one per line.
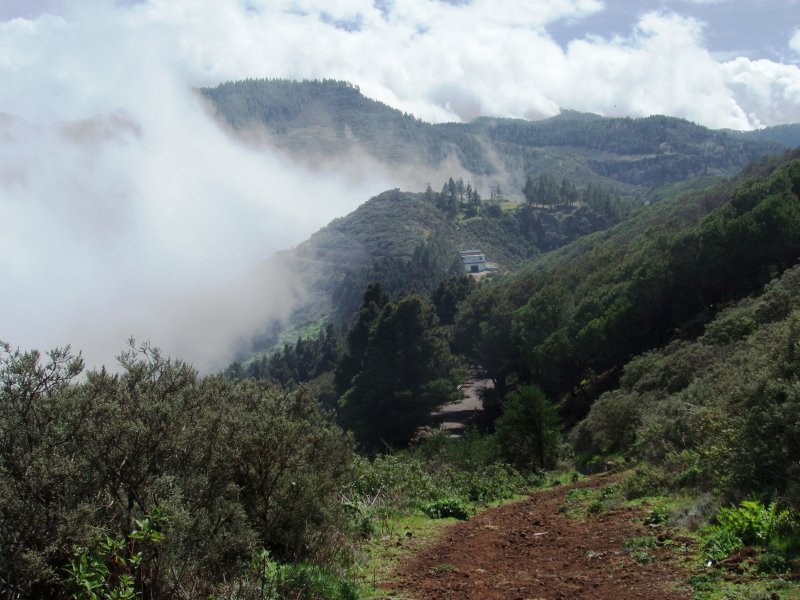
[271, 580]
[113, 568]
[772, 563]
[637, 548]
[447, 507]
[657, 516]
[310, 582]
[754, 523]
[235, 465]
[642, 483]
[437, 470]
[720, 543]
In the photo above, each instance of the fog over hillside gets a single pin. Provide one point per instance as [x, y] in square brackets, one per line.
[125, 209]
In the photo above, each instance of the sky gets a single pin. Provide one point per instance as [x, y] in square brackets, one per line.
[126, 209]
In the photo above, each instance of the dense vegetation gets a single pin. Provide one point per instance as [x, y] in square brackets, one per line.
[720, 413]
[573, 319]
[570, 321]
[158, 481]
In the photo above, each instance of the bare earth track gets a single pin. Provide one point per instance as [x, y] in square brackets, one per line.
[530, 550]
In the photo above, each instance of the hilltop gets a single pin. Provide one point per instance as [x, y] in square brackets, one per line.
[410, 242]
[318, 120]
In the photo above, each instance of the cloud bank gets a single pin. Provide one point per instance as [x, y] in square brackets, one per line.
[126, 210]
[454, 60]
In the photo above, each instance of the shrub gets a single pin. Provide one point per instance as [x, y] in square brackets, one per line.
[720, 543]
[235, 465]
[447, 507]
[637, 547]
[642, 483]
[117, 568]
[311, 582]
[271, 580]
[771, 563]
[754, 523]
[657, 516]
[696, 514]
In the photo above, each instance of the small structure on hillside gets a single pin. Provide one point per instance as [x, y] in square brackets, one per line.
[474, 261]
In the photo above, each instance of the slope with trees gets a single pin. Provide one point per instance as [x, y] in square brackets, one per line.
[574, 320]
[314, 119]
[410, 242]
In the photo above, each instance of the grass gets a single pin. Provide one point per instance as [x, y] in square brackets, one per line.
[582, 502]
[637, 547]
[380, 555]
[708, 586]
[688, 517]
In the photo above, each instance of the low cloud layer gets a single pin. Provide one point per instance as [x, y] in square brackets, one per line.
[151, 226]
[126, 210]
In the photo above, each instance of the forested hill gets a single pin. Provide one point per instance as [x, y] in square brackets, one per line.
[410, 241]
[315, 119]
[573, 318]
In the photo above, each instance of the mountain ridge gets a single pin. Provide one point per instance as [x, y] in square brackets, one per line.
[319, 119]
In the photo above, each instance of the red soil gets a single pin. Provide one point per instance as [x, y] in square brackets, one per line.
[530, 550]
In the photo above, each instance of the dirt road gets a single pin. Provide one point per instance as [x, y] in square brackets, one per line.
[534, 549]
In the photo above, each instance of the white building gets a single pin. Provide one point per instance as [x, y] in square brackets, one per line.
[474, 261]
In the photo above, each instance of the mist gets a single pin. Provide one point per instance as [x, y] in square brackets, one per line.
[151, 227]
[144, 218]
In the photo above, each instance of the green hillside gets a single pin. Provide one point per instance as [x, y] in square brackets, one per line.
[785, 135]
[326, 118]
[659, 340]
[669, 339]
[410, 242]
[572, 318]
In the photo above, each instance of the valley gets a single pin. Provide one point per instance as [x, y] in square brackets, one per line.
[641, 315]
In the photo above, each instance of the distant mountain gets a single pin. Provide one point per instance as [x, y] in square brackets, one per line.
[319, 119]
[787, 136]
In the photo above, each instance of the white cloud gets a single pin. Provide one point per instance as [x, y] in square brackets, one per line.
[768, 91]
[794, 42]
[661, 69]
[442, 61]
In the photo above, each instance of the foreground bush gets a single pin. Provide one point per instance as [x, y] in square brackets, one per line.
[271, 580]
[440, 477]
[231, 468]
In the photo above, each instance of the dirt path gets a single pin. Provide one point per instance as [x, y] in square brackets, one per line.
[530, 550]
